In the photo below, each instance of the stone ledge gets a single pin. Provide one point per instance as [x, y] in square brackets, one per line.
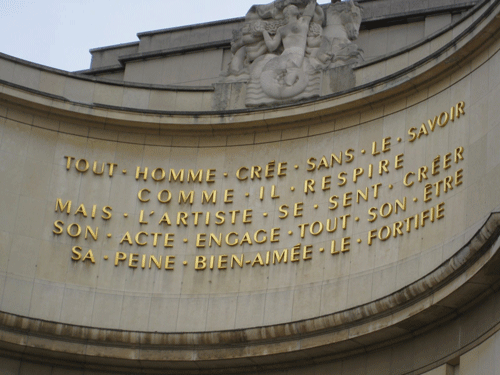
[405, 82]
[423, 305]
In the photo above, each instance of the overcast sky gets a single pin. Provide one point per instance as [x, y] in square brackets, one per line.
[59, 33]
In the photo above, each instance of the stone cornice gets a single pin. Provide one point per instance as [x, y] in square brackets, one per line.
[448, 51]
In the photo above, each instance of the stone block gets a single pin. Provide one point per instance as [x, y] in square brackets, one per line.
[339, 79]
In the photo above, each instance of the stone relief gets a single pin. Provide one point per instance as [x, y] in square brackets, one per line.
[283, 48]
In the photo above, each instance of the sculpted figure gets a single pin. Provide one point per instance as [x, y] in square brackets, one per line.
[293, 36]
[315, 34]
[343, 20]
[284, 47]
[247, 45]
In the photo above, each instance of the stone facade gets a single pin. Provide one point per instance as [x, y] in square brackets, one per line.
[164, 226]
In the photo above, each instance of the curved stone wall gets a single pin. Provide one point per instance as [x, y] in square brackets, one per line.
[329, 224]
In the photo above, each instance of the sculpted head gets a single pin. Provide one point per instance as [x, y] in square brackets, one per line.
[291, 11]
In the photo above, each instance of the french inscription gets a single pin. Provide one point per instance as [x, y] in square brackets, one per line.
[249, 237]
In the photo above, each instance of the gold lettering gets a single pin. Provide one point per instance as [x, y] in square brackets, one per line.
[247, 216]
[383, 166]
[307, 254]
[411, 133]
[139, 172]
[85, 167]
[398, 162]
[168, 240]
[238, 174]
[284, 211]
[81, 210]
[275, 233]
[222, 262]
[207, 198]
[258, 259]
[427, 192]
[200, 263]
[68, 161]
[405, 180]
[89, 256]
[137, 238]
[71, 233]
[183, 198]
[66, 206]
[155, 238]
[176, 176]
[94, 169]
[298, 208]
[295, 254]
[309, 186]
[282, 169]
[128, 238]
[169, 263]
[167, 199]
[59, 226]
[277, 257]
[459, 154]
[344, 247]
[239, 261]
[228, 195]
[386, 143]
[458, 177]
[435, 166]
[193, 177]
[256, 238]
[200, 240]
[357, 173]
[165, 219]
[93, 234]
[76, 251]
[120, 257]
[152, 259]
[235, 241]
[155, 173]
[210, 176]
[269, 173]
[139, 195]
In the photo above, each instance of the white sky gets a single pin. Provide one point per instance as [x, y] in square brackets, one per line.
[59, 33]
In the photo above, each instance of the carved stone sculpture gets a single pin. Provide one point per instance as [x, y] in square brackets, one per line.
[283, 48]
